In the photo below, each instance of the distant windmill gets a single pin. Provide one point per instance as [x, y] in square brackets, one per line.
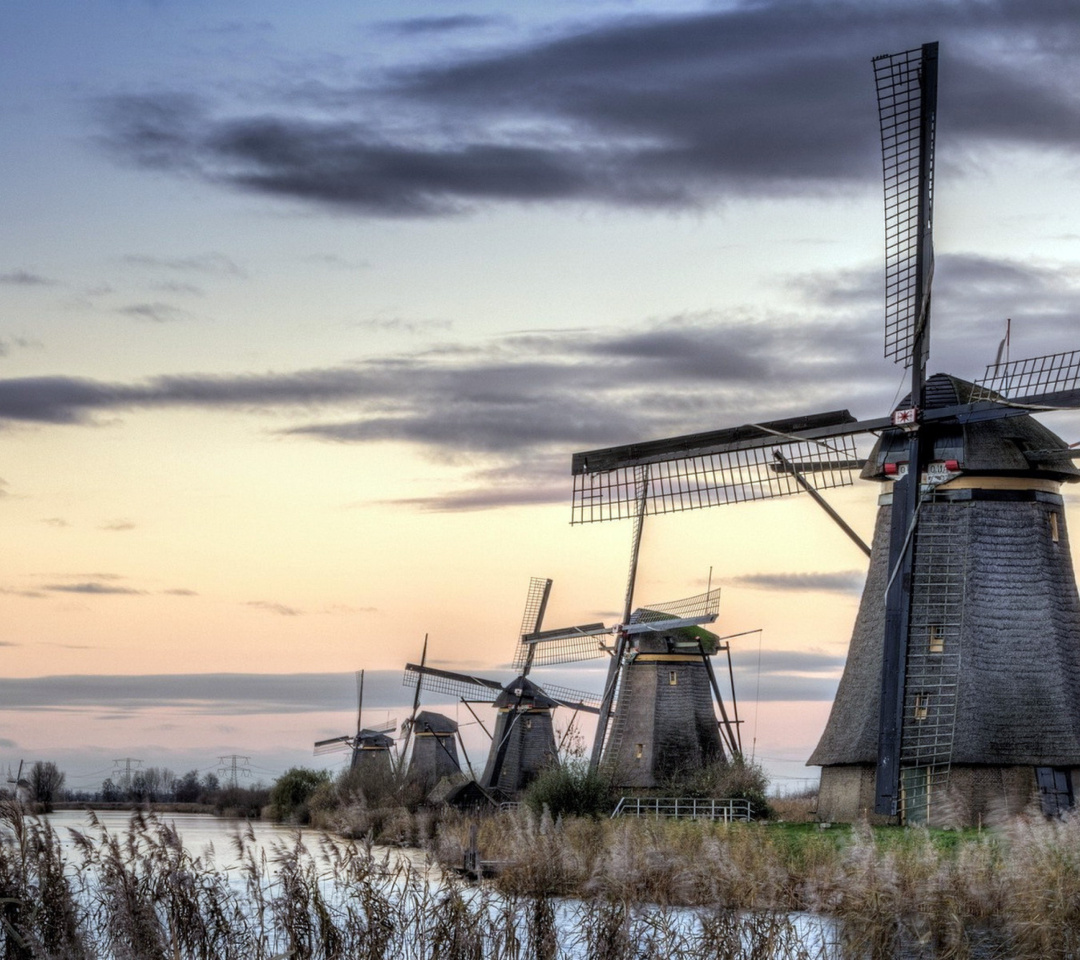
[961, 691]
[660, 688]
[21, 787]
[370, 747]
[523, 741]
[433, 736]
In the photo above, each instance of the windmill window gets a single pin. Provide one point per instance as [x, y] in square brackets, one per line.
[528, 723]
[639, 751]
[673, 678]
[937, 638]
[1055, 534]
[922, 705]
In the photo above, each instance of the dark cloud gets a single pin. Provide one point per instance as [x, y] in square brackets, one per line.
[180, 592]
[280, 609]
[511, 409]
[673, 111]
[92, 588]
[215, 264]
[24, 278]
[206, 694]
[28, 594]
[401, 325]
[849, 581]
[8, 643]
[154, 312]
[118, 526]
[525, 392]
[785, 675]
[417, 26]
[174, 286]
[7, 744]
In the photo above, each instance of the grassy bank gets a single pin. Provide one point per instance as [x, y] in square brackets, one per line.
[1013, 892]
[576, 888]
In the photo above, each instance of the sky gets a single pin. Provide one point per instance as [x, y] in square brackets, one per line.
[304, 309]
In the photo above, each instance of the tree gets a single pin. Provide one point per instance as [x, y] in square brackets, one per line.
[110, 792]
[292, 790]
[46, 782]
[187, 788]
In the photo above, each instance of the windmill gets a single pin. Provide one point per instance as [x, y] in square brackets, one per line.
[434, 754]
[20, 786]
[370, 747]
[660, 687]
[523, 740]
[962, 684]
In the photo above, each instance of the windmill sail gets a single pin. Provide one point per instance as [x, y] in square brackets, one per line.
[907, 108]
[719, 467]
[485, 690]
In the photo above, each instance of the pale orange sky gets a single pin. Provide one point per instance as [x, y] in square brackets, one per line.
[304, 311]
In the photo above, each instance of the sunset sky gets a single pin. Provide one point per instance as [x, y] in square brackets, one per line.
[305, 307]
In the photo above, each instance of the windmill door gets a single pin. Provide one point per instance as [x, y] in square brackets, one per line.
[1055, 790]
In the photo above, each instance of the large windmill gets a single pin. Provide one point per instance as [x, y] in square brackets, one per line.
[523, 739]
[961, 693]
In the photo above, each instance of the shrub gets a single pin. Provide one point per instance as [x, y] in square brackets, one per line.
[570, 790]
[291, 791]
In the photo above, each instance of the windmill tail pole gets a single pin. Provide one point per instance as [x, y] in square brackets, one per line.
[465, 754]
[820, 501]
[642, 482]
[415, 703]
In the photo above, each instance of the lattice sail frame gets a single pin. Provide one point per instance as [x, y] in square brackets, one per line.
[535, 601]
[1039, 378]
[571, 649]
[483, 690]
[702, 606]
[462, 686]
[693, 482]
[907, 153]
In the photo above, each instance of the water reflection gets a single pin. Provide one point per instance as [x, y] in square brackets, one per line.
[214, 838]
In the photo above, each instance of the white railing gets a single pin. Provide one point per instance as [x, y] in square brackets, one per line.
[689, 808]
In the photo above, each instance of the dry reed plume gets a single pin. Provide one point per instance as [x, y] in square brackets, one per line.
[576, 889]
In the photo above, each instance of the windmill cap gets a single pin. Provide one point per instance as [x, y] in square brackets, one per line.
[997, 447]
[523, 692]
[373, 739]
[427, 721]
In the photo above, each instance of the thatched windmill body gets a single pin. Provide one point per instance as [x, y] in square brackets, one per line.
[434, 749]
[961, 689]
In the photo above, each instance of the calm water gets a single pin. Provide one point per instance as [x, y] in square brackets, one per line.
[204, 833]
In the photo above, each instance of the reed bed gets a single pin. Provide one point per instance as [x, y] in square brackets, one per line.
[888, 892]
[566, 890]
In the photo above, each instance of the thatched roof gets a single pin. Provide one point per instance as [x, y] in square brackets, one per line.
[522, 692]
[995, 447]
[427, 721]
[374, 740]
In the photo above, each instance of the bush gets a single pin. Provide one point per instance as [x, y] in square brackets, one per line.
[736, 779]
[291, 791]
[570, 790]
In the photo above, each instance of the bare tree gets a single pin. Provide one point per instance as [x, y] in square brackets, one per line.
[46, 782]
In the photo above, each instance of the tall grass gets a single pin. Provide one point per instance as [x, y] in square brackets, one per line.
[566, 889]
